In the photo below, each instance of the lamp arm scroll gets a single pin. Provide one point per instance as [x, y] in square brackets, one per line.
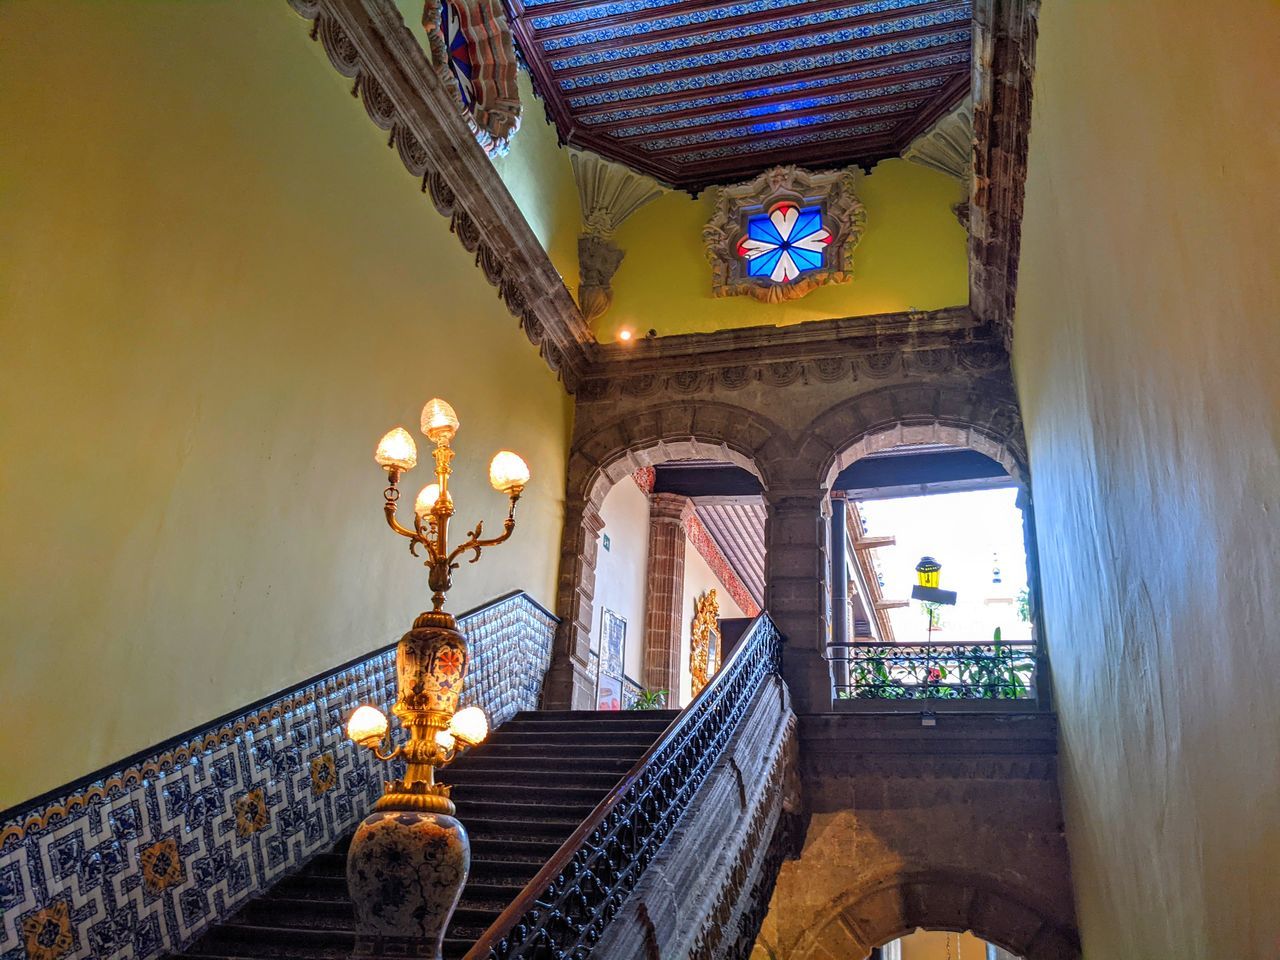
[474, 542]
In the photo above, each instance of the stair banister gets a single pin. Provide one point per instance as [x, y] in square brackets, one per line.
[563, 910]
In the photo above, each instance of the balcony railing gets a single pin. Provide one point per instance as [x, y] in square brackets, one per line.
[980, 671]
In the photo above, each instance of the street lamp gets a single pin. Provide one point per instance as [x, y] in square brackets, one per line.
[409, 859]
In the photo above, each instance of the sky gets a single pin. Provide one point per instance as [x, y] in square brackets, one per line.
[969, 533]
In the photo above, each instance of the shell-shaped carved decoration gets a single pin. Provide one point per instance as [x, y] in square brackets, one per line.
[490, 264]
[306, 8]
[735, 378]
[686, 381]
[467, 230]
[882, 364]
[511, 293]
[442, 196]
[340, 48]
[830, 369]
[431, 663]
[931, 361]
[412, 153]
[377, 102]
[640, 386]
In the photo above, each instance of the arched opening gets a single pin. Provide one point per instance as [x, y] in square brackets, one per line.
[885, 920]
[662, 556]
[938, 488]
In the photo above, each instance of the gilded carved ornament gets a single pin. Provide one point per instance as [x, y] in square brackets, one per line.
[474, 56]
[704, 648]
[843, 218]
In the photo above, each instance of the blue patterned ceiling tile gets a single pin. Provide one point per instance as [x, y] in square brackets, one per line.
[656, 109]
[749, 112]
[728, 133]
[585, 14]
[758, 71]
[794, 140]
[601, 54]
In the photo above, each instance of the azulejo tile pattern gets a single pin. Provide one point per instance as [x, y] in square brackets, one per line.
[584, 14]
[138, 863]
[748, 31]
[693, 18]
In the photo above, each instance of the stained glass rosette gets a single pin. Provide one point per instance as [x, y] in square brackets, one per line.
[459, 52]
[784, 243]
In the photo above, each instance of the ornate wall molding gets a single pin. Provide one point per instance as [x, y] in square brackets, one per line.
[474, 56]
[947, 146]
[782, 192]
[405, 95]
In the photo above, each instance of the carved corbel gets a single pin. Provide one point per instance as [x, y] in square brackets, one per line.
[608, 193]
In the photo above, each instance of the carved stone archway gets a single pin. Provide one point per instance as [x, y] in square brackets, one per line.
[874, 915]
[600, 458]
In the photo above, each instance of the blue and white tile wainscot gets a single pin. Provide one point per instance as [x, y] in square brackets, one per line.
[138, 862]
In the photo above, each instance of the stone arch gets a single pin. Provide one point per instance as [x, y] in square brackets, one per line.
[602, 454]
[872, 915]
[982, 417]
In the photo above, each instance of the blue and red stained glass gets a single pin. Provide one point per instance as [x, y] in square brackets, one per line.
[459, 52]
[784, 243]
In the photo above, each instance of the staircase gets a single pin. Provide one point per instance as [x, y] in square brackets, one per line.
[520, 795]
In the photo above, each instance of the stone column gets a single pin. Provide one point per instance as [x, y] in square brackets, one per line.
[795, 575]
[569, 683]
[664, 594]
[839, 588]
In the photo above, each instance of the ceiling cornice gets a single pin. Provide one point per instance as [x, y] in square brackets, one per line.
[367, 40]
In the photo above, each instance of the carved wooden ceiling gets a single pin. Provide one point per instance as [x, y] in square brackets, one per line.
[696, 92]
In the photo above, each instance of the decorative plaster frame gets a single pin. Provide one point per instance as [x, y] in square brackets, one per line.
[494, 114]
[842, 214]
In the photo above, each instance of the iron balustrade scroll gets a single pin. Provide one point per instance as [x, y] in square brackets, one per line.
[980, 671]
[564, 910]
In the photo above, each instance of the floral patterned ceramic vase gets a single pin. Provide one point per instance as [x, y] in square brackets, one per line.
[405, 872]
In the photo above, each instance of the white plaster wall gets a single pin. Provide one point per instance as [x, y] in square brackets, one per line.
[698, 579]
[1147, 355]
[621, 570]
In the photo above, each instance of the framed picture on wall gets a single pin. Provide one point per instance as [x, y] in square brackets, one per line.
[612, 663]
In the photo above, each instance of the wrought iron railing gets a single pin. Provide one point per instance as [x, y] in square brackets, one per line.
[564, 910]
[980, 671]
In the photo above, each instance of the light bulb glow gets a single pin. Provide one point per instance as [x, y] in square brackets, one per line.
[469, 725]
[626, 334]
[368, 725]
[439, 422]
[508, 473]
[427, 498]
[396, 450]
[445, 739]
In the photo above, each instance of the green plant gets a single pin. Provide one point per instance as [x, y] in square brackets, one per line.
[1024, 605]
[934, 612]
[649, 700]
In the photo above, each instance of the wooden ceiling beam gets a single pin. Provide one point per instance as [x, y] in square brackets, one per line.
[724, 170]
[679, 96]
[749, 19]
[601, 69]
[834, 89]
[832, 125]
[944, 101]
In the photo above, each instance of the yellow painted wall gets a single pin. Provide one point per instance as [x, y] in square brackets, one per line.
[1147, 355]
[622, 570]
[937, 945]
[218, 288]
[912, 254]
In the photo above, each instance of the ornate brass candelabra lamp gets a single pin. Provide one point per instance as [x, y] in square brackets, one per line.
[412, 836]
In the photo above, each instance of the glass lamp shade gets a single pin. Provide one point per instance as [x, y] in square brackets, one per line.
[445, 739]
[469, 725]
[396, 450]
[439, 422]
[508, 473]
[427, 498]
[368, 725]
[928, 572]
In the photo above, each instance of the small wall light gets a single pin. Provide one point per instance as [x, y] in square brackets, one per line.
[626, 335]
